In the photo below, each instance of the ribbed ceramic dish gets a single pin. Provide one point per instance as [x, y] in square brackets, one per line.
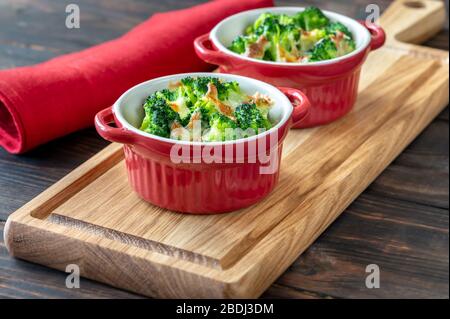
[331, 86]
[243, 172]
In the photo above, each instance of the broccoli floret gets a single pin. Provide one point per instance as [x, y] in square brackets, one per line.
[167, 94]
[188, 91]
[230, 93]
[221, 128]
[187, 95]
[239, 45]
[312, 18]
[264, 18]
[332, 47]
[248, 116]
[206, 108]
[285, 45]
[199, 85]
[335, 27]
[158, 115]
[310, 38]
[325, 49]
[292, 31]
[281, 32]
[178, 101]
[227, 89]
[289, 39]
[270, 55]
[286, 20]
[249, 30]
[267, 24]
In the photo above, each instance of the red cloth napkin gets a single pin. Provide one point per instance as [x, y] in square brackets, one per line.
[46, 101]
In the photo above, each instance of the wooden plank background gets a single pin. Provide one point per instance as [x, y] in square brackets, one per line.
[399, 223]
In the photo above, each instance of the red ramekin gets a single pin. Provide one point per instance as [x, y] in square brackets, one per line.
[201, 187]
[331, 86]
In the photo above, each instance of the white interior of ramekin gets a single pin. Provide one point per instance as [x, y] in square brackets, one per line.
[130, 113]
[226, 31]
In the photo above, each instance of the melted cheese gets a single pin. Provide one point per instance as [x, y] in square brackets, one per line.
[213, 96]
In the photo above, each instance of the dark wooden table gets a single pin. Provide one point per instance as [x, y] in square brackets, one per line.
[399, 223]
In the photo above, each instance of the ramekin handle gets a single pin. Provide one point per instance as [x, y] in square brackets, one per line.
[300, 103]
[103, 121]
[377, 33]
[206, 51]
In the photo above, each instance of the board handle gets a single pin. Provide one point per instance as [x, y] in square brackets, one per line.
[413, 21]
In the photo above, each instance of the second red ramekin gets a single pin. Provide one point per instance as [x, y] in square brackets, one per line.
[331, 86]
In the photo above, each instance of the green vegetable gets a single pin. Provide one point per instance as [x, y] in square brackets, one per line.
[335, 27]
[218, 105]
[309, 39]
[267, 24]
[206, 109]
[239, 45]
[312, 18]
[198, 87]
[288, 45]
[330, 48]
[248, 116]
[221, 129]
[285, 20]
[325, 49]
[158, 115]
[283, 38]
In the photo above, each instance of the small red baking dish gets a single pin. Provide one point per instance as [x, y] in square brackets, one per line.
[331, 86]
[239, 176]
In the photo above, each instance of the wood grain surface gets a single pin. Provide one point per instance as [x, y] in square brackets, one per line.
[408, 203]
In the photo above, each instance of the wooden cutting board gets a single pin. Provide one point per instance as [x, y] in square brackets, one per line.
[93, 219]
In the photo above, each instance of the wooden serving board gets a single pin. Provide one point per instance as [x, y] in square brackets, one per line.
[92, 218]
